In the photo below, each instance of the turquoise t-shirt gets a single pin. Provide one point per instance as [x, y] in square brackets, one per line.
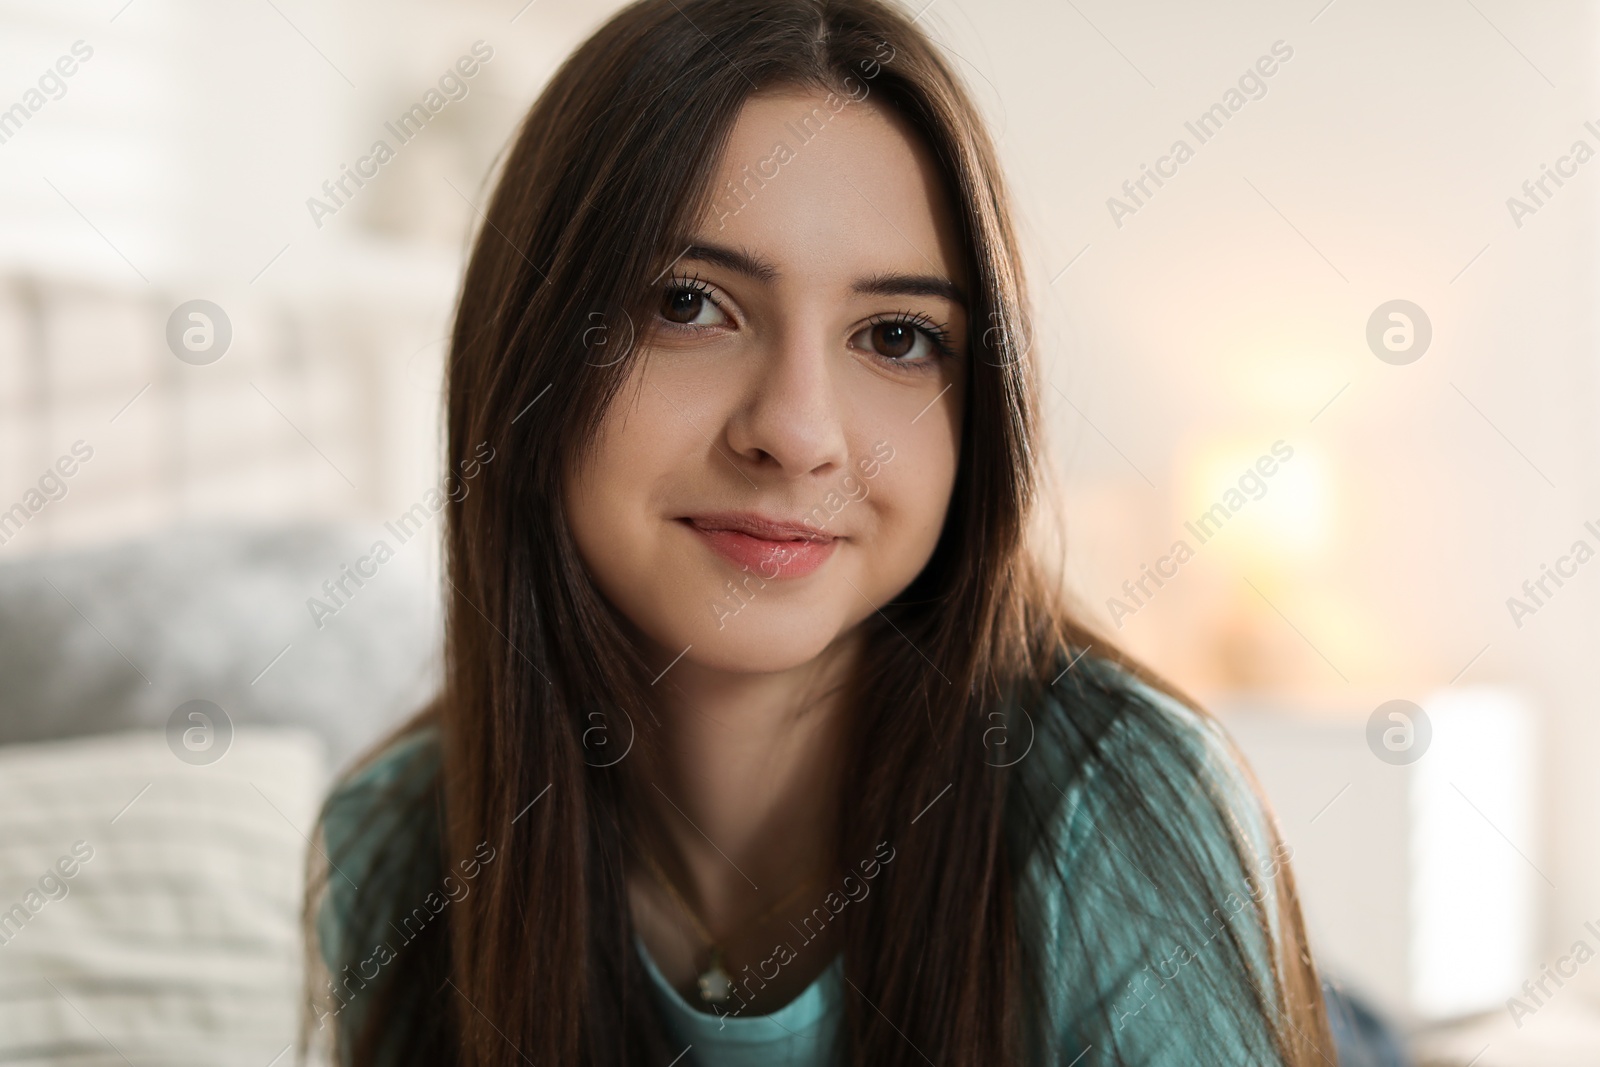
[1129, 1004]
[799, 1034]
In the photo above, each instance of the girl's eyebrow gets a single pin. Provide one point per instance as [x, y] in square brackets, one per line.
[910, 285]
[734, 259]
[885, 284]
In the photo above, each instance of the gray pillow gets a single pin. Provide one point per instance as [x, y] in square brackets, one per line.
[113, 638]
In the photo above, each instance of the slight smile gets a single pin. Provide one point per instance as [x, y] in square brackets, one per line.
[772, 548]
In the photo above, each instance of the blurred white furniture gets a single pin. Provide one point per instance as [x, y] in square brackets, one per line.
[1419, 881]
[325, 407]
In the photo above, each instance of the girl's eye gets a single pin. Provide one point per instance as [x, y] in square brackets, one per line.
[690, 304]
[904, 340]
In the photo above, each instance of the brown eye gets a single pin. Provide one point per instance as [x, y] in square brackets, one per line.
[904, 341]
[893, 339]
[687, 305]
[681, 305]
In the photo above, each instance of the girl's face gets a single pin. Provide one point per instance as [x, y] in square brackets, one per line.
[782, 457]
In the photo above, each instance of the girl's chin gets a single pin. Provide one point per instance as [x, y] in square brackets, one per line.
[748, 644]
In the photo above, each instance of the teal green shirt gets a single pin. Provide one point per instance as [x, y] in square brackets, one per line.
[799, 1034]
[1138, 992]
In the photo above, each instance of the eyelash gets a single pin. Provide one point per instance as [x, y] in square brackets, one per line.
[937, 333]
[692, 282]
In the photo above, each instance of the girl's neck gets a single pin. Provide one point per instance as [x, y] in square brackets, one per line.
[749, 780]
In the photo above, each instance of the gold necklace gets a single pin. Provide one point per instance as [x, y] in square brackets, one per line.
[715, 983]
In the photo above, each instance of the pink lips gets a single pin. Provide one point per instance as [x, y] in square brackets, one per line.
[769, 548]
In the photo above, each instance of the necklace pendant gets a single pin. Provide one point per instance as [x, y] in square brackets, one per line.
[715, 985]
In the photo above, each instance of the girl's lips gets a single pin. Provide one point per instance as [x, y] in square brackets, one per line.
[766, 557]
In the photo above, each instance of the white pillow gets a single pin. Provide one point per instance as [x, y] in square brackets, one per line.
[149, 907]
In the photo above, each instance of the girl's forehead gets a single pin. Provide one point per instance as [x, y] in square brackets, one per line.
[825, 184]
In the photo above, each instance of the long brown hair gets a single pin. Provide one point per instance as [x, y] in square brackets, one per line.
[597, 195]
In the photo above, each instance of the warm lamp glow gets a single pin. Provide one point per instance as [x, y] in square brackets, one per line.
[1258, 500]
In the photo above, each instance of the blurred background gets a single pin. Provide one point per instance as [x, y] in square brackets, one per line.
[1313, 292]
